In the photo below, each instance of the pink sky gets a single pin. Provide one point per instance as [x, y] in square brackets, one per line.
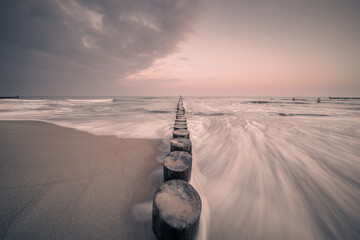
[266, 49]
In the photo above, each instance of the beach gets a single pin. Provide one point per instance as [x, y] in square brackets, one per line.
[61, 183]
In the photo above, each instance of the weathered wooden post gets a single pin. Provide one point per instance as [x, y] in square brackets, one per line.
[180, 126]
[180, 117]
[176, 211]
[183, 120]
[180, 144]
[181, 133]
[177, 165]
[180, 122]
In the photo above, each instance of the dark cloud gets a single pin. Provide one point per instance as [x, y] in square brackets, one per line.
[85, 46]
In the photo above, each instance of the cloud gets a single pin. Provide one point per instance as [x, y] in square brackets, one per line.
[86, 46]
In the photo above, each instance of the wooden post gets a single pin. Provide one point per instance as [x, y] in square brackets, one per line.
[181, 133]
[180, 144]
[180, 126]
[176, 211]
[177, 165]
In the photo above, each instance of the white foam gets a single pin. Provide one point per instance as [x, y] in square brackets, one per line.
[142, 212]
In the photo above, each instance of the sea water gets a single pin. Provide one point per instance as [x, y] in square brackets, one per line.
[266, 167]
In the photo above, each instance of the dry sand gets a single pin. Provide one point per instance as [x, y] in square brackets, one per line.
[60, 183]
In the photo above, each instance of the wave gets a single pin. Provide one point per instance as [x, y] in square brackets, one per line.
[90, 100]
[299, 103]
[304, 114]
[154, 98]
[209, 114]
[160, 111]
[262, 102]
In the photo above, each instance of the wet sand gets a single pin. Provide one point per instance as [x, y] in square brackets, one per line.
[60, 183]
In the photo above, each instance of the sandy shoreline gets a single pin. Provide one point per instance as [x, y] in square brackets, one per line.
[60, 183]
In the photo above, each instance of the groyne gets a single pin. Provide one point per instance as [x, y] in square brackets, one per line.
[9, 97]
[344, 97]
[177, 205]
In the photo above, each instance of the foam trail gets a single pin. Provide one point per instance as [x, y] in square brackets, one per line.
[278, 176]
[142, 212]
[197, 181]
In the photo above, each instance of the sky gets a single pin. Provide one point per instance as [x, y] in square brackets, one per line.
[172, 47]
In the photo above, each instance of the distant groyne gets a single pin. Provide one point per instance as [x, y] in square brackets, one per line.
[9, 97]
[177, 205]
[344, 97]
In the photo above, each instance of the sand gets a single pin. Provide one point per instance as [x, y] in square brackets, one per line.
[60, 183]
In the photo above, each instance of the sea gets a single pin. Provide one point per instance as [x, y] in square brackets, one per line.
[265, 167]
